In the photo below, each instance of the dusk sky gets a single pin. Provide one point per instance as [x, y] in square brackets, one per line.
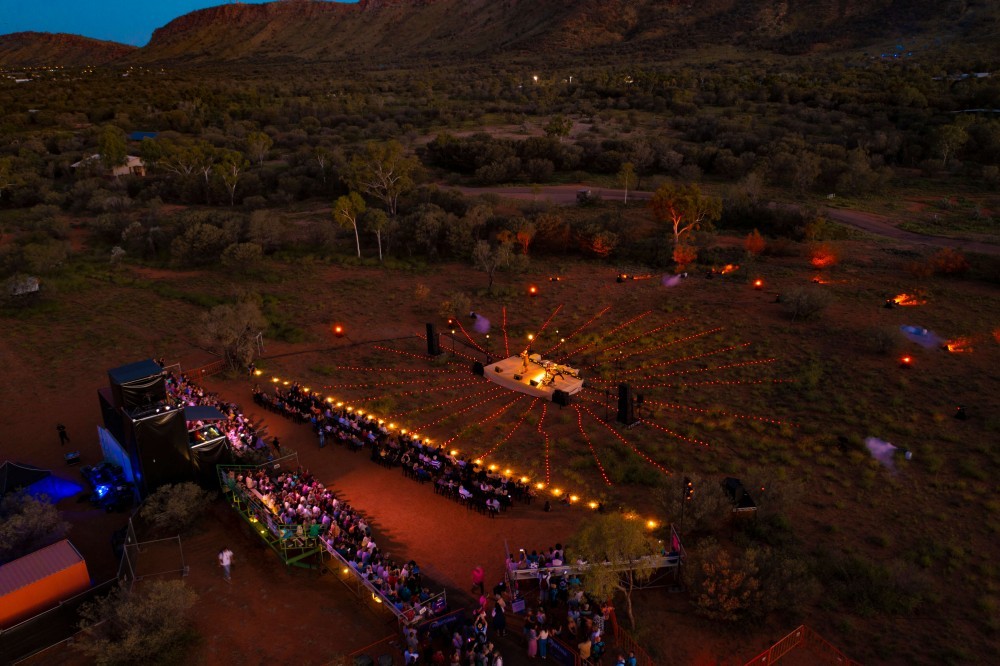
[126, 21]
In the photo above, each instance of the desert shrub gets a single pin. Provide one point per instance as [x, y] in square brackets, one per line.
[148, 625]
[866, 587]
[823, 255]
[884, 339]
[754, 243]
[707, 510]
[27, 524]
[684, 255]
[457, 304]
[805, 302]
[243, 257]
[738, 585]
[175, 508]
[199, 244]
[949, 261]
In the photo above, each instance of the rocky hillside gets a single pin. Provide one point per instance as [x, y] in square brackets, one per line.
[401, 31]
[40, 49]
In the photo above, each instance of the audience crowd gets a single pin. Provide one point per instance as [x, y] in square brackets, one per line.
[240, 431]
[458, 478]
[301, 507]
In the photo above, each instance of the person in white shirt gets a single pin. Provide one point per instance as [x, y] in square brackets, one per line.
[226, 561]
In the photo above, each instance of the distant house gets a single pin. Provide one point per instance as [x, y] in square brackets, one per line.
[134, 166]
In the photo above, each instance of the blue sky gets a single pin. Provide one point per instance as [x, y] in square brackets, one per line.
[126, 21]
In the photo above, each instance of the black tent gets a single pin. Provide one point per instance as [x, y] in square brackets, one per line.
[15, 476]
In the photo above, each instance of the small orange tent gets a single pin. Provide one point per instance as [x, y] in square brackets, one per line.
[40, 580]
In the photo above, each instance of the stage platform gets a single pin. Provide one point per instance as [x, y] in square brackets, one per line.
[534, 376]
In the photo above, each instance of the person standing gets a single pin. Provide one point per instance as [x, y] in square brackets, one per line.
[226, 561]
[543, 642]
[322, 438]
[63, 436]
[276, 445]
[532, 643]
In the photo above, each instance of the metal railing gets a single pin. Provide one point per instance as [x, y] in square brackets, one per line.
[803, 636]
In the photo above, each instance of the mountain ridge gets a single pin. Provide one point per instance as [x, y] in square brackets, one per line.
[398, 30]
[39, 49]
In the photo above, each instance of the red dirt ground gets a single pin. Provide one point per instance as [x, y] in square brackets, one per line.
[53, 364]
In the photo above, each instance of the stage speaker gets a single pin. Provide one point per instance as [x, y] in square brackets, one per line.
[560, 397]
[433, 343]
[626, 410]
[497, 369]
[478, 369]
[517, 377]
[533, 382]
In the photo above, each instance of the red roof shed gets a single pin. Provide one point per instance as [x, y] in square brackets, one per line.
[40, 580]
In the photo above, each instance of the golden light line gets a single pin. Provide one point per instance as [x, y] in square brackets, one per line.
[675, 434]
[450, 415]
[637, 337]
[441, 387]
[586, 438]
[485, 420]
[444, 403]
[512, 430]
[406, 353]
[749, 417]
[693, 371]
[606, 335]
[583, 326]
[674, 342]
[627, 443]
[468, 337]
[673, 361]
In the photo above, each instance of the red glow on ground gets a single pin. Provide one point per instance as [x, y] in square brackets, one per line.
[908, 300]
[338, 330]
[823, 260]
[906, 361]
[959, 345]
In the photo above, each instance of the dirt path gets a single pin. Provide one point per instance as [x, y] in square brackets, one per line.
[878, 225]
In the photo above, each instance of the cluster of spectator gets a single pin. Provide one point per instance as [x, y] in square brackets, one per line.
[302, 507]
[452, 476]
[561, 595]
[240, 431]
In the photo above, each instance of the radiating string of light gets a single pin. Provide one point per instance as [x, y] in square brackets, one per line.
[674, 434]
[484, 420]
[468, 337]
[420, 356]
[453, 352]
[673, 361]
[510, 434]
[545, 434]
[506, 347]
[605, 336]
[568, 337]
[497, 392]
[638, 337]
[443, 387]
[443, 403]
[627, 443]
[700, 410]
[672, 343]
[548, 321]
[593, 452]
[366, 369]
[720, 382]
[693, 371]
[400, 382]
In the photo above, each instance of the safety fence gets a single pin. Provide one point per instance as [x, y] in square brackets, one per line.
[803, 637]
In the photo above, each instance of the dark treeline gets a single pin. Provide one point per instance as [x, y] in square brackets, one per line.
[233, 143]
